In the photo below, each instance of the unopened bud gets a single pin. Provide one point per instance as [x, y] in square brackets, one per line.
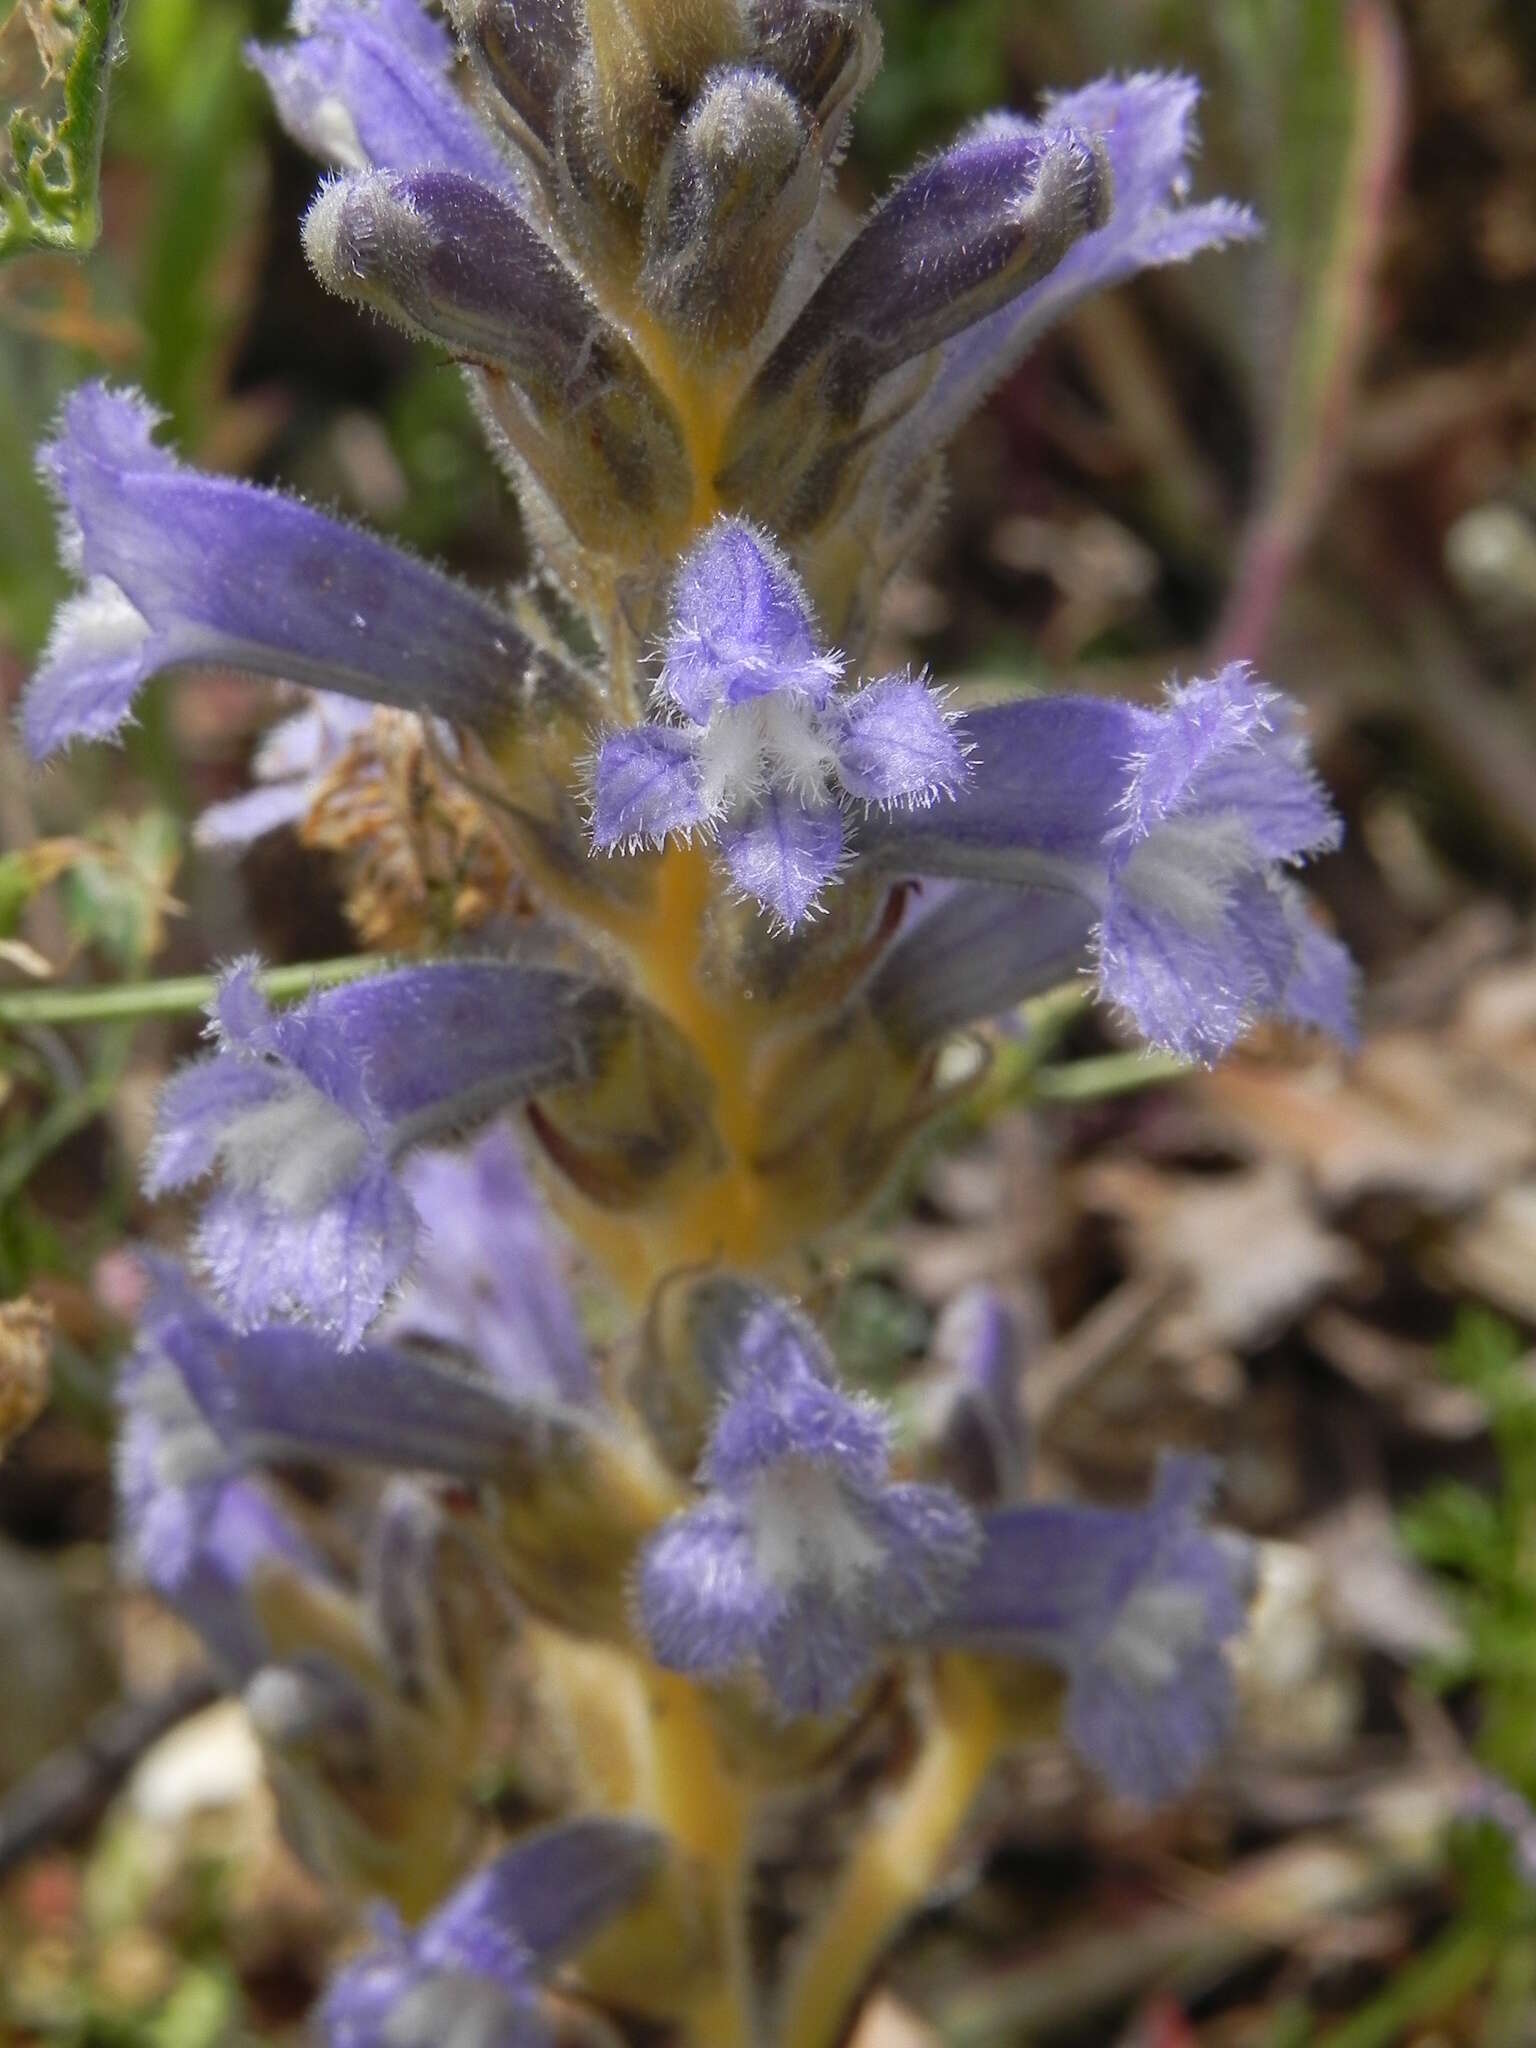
[648, 59]
[738, 182]
[960, 237]
[454, 262]
[524, 50]
[826, 52]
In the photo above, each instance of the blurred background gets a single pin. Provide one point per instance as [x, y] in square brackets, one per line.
[1318, 454]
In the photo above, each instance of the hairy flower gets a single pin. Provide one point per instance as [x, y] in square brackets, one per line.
[1133, 1605]
[191, 1523]
[307, 1111]
[470, 1973]
[1170, 830]
[182, 569]
[757, 742]
[804, 1559]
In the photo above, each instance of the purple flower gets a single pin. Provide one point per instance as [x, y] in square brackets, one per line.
[1173, 828]
[760, 745]
[965, 233]
[285, 1391]
[470, 1973]
[182, 569]
[1145, 125]
[1133, 1605]
[366, 82]
[980, 1435]
[803, 1560]
[485, 1280]
[193, 1526]
[290, 763]
[307, 1111]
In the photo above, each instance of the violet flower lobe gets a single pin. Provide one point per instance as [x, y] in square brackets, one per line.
[307, 1112]
[804, 1560]
[758, 744]
[1133, 1606]
[470, 1973]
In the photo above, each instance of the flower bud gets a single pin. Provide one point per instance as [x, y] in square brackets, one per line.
[826, 52]
[738, 182]
[401, 244]
[648, 58]
[524, 50]
[957, 239]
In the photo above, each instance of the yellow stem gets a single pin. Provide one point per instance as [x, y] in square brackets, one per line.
[895, 1865]
[708, 1812]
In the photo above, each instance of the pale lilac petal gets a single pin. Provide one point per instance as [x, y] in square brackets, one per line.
[783, 853]
[485, 1279]
[1323, 989]
[896, 745]
[335, 1265]
[307, 1111]
[241, 820]
[288, 766]
[1231, 744]
[741, 627]
[470, 1973]
[1145, 124]
[182, 568]
[1134, 1606]
[367, 82]
[645, 786]
[701, 1600]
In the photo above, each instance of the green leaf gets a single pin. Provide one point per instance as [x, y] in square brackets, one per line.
[55, 56]
[117, 890]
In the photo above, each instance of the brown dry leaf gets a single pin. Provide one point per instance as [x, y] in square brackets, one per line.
[886, 2023]
[1403, 1376]
[26, 1340]
[1417, 1114]
[1375, 1595]
[421, 858]
[1248, 1247]
[1493, 1254]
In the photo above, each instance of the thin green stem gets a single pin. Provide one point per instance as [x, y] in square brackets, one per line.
[65, 1116]
[169, 998]
[1426, 1990]
[1115, 1073]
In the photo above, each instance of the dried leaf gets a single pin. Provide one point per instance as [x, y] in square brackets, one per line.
[26, 1339]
